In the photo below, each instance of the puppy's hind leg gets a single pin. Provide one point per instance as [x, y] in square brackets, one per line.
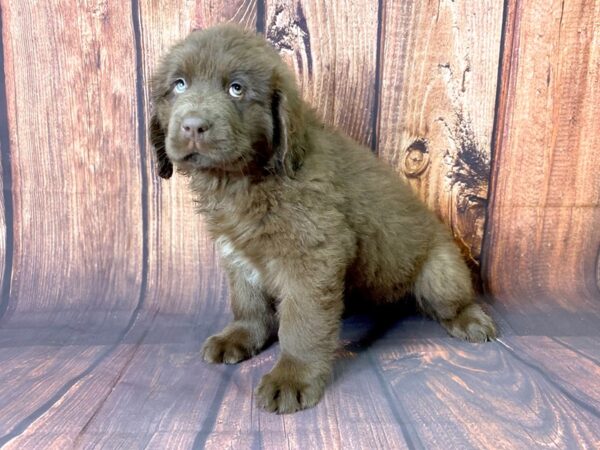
[444, 290]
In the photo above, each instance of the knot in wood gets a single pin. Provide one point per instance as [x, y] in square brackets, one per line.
[416, 159]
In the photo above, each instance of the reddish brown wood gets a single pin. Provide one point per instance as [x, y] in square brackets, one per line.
[457, 395]
[578, 378]
[585, 346]
[542, 241]
[77, 190]
[31, 376]
[332, 48]
[344, 419]
[211, 12]
[439, 64]
[413, 387]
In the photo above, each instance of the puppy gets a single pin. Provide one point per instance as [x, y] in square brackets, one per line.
[303, 216]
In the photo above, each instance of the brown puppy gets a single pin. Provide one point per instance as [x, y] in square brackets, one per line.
[303, 216]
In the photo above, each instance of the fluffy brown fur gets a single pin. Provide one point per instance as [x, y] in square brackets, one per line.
[303, 216]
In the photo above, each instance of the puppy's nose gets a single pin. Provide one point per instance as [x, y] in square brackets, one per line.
[193, 127]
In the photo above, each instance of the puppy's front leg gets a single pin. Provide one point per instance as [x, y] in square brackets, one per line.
[254, 322]
[309, 323]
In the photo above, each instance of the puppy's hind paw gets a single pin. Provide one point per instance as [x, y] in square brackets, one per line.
[471, 324]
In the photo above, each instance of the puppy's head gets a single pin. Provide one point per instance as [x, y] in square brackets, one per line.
[224, 100]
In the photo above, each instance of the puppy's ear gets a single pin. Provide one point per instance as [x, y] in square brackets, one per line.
[287, 126]
[157, 139]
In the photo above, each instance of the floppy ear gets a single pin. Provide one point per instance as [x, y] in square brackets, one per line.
[157, 139]
[287, 143]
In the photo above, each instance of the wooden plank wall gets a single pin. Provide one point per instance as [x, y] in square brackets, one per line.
[75, 170]
[542, 250]
[439, 64]
[88, 231]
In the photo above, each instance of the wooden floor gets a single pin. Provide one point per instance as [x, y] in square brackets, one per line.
[138, 382]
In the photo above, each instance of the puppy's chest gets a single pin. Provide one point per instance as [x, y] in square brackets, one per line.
[238, 261]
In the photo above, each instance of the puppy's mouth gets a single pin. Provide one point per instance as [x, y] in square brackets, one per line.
[196, 145]
[193, 158]
[195, 153]
[201, 161]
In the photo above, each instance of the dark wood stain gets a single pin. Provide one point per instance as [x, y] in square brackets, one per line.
[341, 88]
[7, 201]
[282, 37]
[110, 283]
[141, 133]
[377, 81]
[260, 16]
[428, 93]
[507, 34]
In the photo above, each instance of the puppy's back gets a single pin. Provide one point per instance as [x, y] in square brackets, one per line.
[394, 230]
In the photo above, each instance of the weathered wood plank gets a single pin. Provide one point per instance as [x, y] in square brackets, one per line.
[76, 172]
[65, 420]
[483, 396]
[30, 376]
[143, 386]
[585, 346]
[542, 241]
[393, 392]
[164, 392]
[4, 262]
[439, 64]
[183, 270]
[212, 12]
[5, 188]
[576, 374]
[171, 439]
[354, 412]
[332, 48]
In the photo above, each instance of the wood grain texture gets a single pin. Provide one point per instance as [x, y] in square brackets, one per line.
[4, 255]
[157, 392]
[332, 47]
[484, 396]
[578, 379]
[183, 270]
[585, 346]
[396, 391]
[31, 375]
[212, 12]
[345, 418]
[166, 385]
[76, 173]
[61, 422]
[437, 94]
[6, 239]
[542, 241]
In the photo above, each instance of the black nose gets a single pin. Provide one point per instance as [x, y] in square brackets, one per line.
[193, 127]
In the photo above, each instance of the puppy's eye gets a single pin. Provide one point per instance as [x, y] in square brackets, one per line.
[180, 86]
[236, 90]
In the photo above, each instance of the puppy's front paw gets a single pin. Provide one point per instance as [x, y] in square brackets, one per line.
[287, 390]
[228, 348]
